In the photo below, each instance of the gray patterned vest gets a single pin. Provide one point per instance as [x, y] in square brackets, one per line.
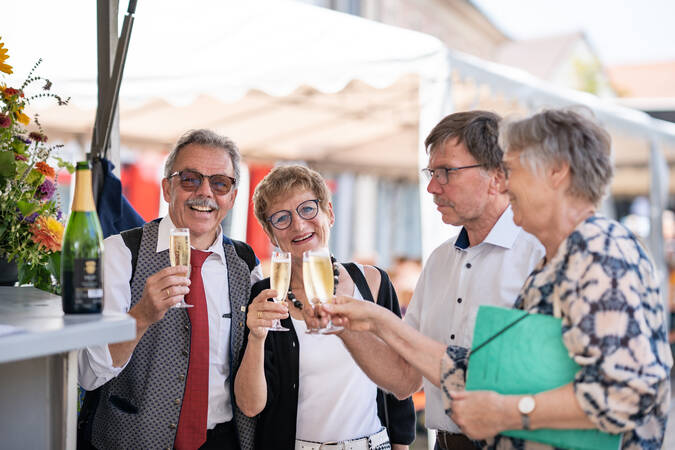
[139, 409]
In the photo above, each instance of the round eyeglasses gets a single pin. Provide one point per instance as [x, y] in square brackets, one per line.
[306, 210]
[191, 180]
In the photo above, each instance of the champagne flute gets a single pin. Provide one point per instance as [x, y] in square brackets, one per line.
[280, 279]
[179, 255]
[321, 269]
[309, 287]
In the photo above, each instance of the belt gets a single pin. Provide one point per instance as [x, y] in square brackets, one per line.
[377, 441]
[454, 441]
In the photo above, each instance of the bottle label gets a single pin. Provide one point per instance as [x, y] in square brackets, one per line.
[87, 281]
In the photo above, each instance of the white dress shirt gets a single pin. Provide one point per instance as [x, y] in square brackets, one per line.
[456, 281]
[95, 363]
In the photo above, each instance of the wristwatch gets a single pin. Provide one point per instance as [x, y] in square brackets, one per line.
[526, 405]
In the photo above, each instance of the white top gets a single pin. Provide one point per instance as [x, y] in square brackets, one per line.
[336, 399]
[95, 363]
[456, 281]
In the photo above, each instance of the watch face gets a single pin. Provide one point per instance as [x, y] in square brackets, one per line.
[526, 405]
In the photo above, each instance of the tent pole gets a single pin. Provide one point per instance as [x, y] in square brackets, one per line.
[658, 197]
[435, 102]
[107, 32]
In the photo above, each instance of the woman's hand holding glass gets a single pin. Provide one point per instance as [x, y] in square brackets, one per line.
[262, 313]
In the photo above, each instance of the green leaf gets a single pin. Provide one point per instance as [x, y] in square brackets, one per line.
[35, 178]
[7, 164]
[27, 208]
[70, 167]
[54, 264]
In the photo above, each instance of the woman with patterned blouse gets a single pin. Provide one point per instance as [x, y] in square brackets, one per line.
[596, 276]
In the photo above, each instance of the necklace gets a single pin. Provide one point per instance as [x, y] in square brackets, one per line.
[298, 304]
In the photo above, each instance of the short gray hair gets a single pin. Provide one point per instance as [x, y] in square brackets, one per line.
[206, 138]
[564, 136]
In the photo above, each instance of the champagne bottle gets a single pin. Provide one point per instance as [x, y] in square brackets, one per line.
[82, 250]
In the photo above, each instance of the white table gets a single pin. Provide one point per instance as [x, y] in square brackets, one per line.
[38, 366]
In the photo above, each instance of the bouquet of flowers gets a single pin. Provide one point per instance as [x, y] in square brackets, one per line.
[31, 227]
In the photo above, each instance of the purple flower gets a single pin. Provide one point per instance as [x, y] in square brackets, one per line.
[59, 214]
[5, 121]
[22, 139]
[19, 157]
[29, 219]
[46, 190]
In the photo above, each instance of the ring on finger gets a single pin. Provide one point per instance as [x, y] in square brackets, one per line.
[259, 314]
[168, 294]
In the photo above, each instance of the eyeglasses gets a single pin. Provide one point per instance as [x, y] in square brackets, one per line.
[190, 180]
[442, 174]
[306, 210]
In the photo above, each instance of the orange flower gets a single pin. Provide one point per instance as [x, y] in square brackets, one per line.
[45, 169]
[47, 233]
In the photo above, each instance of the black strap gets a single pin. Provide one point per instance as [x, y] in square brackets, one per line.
[245, 252]
[362, 285]
[132, 239]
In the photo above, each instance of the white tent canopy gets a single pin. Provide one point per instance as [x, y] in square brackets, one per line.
[225, 50]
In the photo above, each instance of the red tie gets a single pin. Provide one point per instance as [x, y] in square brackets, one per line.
[191, 432]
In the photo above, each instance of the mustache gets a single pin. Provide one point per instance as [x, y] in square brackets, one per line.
[439, 201]
[203, 202]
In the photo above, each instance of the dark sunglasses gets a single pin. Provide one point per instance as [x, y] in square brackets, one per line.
[190, 180]
[283, 219]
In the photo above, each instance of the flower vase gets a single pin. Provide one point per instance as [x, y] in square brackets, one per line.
[8, 272]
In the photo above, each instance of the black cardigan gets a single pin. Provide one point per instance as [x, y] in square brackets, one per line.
[276, 423]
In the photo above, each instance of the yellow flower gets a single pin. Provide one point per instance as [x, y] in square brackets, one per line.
[47, 233]
[21, 117]
[3, 57]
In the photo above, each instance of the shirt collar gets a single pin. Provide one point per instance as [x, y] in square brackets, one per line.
[502, 234]
[163, 238]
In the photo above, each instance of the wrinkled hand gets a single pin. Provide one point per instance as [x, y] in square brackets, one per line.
[352, 314]
[162, 290]
[312, 316]
[480, 414]
[262, 313]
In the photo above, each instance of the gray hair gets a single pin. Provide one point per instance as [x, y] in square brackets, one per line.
[206, 138]
[557, 136]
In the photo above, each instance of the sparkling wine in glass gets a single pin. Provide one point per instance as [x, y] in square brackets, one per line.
[309, 287]
[280, 279]
[179, 255]
[321, 269]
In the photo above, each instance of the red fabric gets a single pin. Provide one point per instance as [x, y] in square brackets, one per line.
[191, 432]
[255, 235]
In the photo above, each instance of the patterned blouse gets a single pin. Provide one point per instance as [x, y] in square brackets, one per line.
[613, 324]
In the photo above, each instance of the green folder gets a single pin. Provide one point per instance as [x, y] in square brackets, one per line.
[527, 357]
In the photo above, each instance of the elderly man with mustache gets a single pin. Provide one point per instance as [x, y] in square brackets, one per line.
[171, 387]
[485, 264]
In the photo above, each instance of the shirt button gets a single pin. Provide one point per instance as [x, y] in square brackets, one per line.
[187, 327]
[293, 344]
[181, 377]
[459, 300]
[468, 265]
[452, 336]
[185, 352]
[172, 426]
[176, 402]
[293, 385]
[241, 324]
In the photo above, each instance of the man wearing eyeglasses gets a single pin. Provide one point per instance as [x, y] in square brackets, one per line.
[485, 264]
[171, 387]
